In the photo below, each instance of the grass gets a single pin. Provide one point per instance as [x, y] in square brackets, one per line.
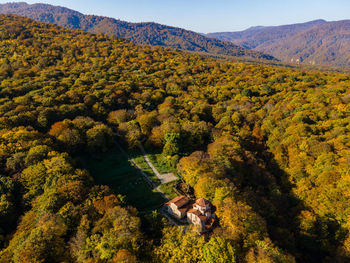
[160, 166]
[169, 189]
[163, 168]
[141, 162]
[114, 169]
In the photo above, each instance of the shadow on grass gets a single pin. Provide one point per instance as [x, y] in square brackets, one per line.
[114, 169]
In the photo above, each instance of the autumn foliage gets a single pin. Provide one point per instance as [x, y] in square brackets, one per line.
[269, 146]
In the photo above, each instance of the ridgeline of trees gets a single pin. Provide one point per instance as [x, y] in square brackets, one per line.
[140, 33]
[316, 42]
[268, 146]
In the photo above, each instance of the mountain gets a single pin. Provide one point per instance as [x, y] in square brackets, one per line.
[140, 33]
[259, 35]
[316, 42]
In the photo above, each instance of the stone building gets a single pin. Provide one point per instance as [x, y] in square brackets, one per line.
[200, 213]
[178, 206]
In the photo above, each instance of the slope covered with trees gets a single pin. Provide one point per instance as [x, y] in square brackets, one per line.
[268, 146]
[257, 36]
[317, 42]
[139, 33]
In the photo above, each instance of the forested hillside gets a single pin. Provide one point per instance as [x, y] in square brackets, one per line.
[257, 36]
[268, 146]
[315, 43]
[139, 33]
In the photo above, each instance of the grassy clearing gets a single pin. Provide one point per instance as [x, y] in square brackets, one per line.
[169, 189]
[114, 169]
[160, 166]
[141, 162]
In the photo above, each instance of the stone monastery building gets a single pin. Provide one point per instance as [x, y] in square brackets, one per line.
[200, 212]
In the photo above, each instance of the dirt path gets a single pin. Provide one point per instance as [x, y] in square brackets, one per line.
[164, 178]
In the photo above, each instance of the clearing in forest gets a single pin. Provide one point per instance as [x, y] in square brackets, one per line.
[114, 169]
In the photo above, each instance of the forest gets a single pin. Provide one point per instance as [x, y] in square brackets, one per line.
[316, 42]
[267, 145]
[139, 33]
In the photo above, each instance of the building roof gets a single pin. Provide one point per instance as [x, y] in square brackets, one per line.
[194, 211]
[202, 202]
[203, 218]
[179, 201]
[183, 209]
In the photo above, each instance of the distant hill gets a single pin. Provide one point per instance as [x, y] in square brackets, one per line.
[317, 42]
[140, 33]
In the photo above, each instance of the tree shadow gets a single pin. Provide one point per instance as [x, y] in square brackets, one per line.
[268, 191]
[114, 170]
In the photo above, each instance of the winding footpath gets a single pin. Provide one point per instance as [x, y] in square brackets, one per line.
[163, 178]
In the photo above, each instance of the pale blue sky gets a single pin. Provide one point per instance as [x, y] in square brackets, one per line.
[211, 15]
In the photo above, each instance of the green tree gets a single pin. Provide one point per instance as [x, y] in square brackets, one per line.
[219, 250]
[99, 138]
[172, 144]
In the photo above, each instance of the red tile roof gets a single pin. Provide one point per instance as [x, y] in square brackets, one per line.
[202, 202]
[194, 211]
[203, 218]
[183, 209]
[179, 201]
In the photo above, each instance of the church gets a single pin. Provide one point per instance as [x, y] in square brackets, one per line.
[200, 212]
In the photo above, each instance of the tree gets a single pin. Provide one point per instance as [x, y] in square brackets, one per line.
[116, 230]
[147, 121]
[247, 92]
[118, 117]
[44, 243]
[132, 133]
[178, 246]
[37, 154]
[16, 162]
[240, 223]
[124, 256]
[265, 251]
[99, 138]
[219, 250]
[67, 135]
[7, 204]
[33, 179]
[196, 135]
[206, 186]
[192, 167]
[172, 144]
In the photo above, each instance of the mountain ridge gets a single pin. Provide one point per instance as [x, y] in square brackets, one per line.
[149, 33]
[318, 42]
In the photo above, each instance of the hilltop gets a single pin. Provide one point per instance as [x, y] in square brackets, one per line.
[140, 33]
[315, 43]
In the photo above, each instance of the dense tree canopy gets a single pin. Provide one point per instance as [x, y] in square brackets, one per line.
[269, 146]
[139, 33]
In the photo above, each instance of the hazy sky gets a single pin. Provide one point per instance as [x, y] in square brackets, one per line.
[211, 15]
